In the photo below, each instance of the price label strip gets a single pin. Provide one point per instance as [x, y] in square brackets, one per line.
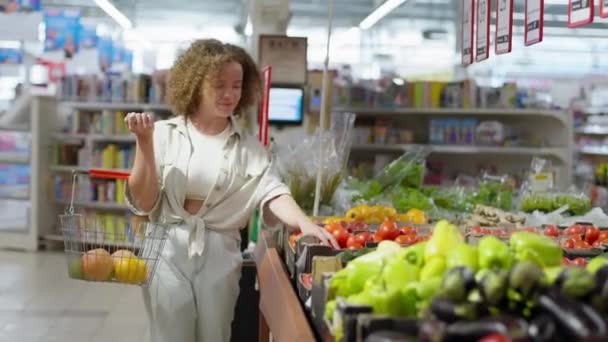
[483, 30]
[603, 8]
[504, 26]
[580, 12]
[468, 17]
[535, 9]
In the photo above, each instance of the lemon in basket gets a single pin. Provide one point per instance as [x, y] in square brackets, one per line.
[130, 270]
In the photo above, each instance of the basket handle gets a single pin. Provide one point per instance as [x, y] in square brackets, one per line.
[108, 174]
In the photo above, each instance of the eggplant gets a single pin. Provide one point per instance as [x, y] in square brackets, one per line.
[577, 320]
[575, 282]
[450, 312]
[389, 336]
[543, 329]
[432, 330]
[599, 297]
[526, 278]
[515, 328]
[457, 283]
[493, 286]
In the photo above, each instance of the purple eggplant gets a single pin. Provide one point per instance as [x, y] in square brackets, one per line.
[515, 328]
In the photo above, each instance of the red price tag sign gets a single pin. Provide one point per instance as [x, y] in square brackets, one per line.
[468, 19]
[504, 26]
[483, 30]
[535, 10]
[603, 8]
[580, 12]
[264, 105]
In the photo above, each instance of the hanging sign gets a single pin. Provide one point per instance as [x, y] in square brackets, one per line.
[535, 9]
[580, 12]
[483, 30]
[468, 17]
[603, 8]
[504, 26]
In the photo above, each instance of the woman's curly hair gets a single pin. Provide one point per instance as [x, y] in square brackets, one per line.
[201, 63]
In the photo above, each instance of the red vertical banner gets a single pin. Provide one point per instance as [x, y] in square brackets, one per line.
[603, 8]
[483, 30]
[264, 105]
[504, 26]
[534, 22]
[580, 12]
[467, 24]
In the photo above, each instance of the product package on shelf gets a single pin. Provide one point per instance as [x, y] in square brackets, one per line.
[104, 122]
[87, 190]
[113, 88]
[15, 143]
[14, 180]
[299, 161]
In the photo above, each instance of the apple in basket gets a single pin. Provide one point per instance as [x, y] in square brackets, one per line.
[97, 265]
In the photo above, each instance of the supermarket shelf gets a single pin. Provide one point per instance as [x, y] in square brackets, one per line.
[363, 112]
[70, 168]
[59, 237]
[463, 149]
[14, 158]
[593, 130]
[118, 106]
[17, 198]
[95, 138]
[594, 150]
[95, 205]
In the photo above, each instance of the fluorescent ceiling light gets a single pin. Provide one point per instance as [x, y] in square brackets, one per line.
[10, 44]
[248, 27]
[113, 12]
[379, 13]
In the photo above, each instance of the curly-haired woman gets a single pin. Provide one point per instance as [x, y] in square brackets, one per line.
[203, 175]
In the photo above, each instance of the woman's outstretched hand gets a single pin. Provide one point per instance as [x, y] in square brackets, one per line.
[309, 228]
[140, 124]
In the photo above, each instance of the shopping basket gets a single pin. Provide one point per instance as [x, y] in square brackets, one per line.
[104, 248]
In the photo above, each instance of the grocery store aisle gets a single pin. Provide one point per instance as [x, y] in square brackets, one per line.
[39, 303]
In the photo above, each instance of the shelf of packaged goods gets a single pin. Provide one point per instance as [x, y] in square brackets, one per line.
[15, 197]
[95, 138]
[463, 149]
[592, 130]
[14, 158]
[479, 112]
[119, 244]
[95, 205]
[70, 168]
[593, 150]
[98, 106]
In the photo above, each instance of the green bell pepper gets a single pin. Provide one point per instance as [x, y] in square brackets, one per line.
[596, 263]
[494, 253]
[382, 301]
[540, 249]
[433, 268]
[413, 254]
[464, 255]
[398, 272]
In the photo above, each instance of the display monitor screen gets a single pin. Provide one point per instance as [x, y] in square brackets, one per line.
[286, 105]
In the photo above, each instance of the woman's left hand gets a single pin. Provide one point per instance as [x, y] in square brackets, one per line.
[309, 228]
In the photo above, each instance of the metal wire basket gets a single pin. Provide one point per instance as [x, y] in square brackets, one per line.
[101, 250]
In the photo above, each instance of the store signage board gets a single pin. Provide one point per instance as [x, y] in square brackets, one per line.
[580, 12]
[483, 30]
[287, 56]
[603, 8]
[535, 10]
[468, 18]
[504, 26]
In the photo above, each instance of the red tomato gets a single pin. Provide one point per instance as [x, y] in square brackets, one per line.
[495, 338]
[341, 235]
[581, 245]
[388, 230]
[376, 237]
[476, 230]
[355, 246]
[408, 230]
[423, 238]
[565, 261]
[603, 236]
[500, 232]
[363, 237]
[574, 229]
[581, 262]
[406, 239]
[351, 241]
[551, 230]
[591, 234]
[292, 239]
[332, 226]
[569, 244]
[531, 230]
[577, 237]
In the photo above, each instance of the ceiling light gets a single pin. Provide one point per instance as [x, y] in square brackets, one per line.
[248, 27]
[379, 13]
[10, 44]
[113, 12]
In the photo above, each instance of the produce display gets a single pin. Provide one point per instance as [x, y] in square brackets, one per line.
[99, 265]
[521, 289]
[578, 204]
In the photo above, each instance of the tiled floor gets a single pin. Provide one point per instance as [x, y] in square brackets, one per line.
[39, 303]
